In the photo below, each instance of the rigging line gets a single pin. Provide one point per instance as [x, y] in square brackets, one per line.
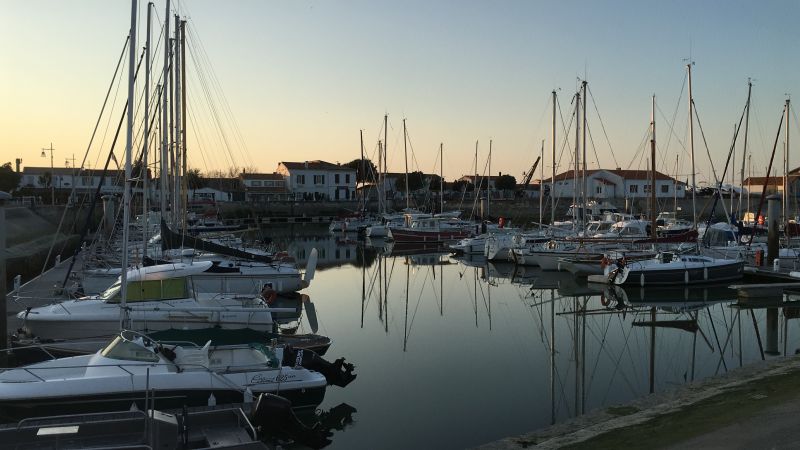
[206, 89]
[213, 108]
[671, 126]
[675, 114]
[594, 149]
[416, 308]
[716, 338]
[602, 344]
[602, 126]
[705, 143]
[217, 86]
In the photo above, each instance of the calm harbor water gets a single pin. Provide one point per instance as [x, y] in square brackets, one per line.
[452, 353]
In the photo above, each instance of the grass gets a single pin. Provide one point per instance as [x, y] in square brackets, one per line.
[704, 416]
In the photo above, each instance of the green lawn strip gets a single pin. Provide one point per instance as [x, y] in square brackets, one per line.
[706, 415]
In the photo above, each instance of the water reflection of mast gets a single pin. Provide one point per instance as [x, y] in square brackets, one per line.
[405, 325]
[552, 357]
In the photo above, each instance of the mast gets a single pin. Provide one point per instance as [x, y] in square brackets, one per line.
[441, 179]
[177, 200]
[146, 141]
[489, 182]
[164, 125]
[575, 175]
[405, 152]
[653, 228]
[385, 147]
[126, 192]
[691, 144]
[786, 175]
[184, 178]
[583, 144]
[744, 152]
[476, 188]
[381, 195]
[541, 182]
[553, 178]
[363, 169]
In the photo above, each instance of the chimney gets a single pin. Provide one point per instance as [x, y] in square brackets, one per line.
[19, 163]
[306, 164]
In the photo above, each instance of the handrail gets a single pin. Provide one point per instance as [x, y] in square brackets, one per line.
[31, 421]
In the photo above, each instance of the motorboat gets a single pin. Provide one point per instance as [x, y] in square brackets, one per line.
[158, 297]
[172, 375]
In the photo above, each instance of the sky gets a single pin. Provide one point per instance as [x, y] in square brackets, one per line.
[298, 80]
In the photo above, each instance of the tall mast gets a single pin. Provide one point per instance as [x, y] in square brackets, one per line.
[385, 147]
[583, 145]
[126, 192]
[185, 168]
[178, 201]
[146, 142]
[786, 173]
[576, 171]
[744, 152]
[405, 153]
[691, 144]
[164, 125]
[477, 185]
[653, 228]
[553, 178]
[381, 195]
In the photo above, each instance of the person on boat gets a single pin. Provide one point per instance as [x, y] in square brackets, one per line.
[268, 293]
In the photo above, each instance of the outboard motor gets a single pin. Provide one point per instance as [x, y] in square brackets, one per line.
[338, 373]
[273, 415]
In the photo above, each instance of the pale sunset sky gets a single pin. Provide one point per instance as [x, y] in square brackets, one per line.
[301, 78]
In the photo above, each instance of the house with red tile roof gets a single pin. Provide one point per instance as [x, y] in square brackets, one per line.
[617, 183]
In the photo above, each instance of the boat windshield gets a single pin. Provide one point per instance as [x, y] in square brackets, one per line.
[127, 350]
[150, 290]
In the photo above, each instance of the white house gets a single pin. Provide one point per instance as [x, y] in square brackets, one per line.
[65, 178]
[264, 187]
[319, 180]
[617, 183]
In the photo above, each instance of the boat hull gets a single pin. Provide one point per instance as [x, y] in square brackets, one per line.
[707, 274]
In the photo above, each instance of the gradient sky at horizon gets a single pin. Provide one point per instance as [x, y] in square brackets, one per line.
[302, 78]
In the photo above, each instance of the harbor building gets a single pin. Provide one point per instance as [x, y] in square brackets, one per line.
[605, 184]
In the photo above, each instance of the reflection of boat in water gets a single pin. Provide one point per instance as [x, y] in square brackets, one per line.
[471, 260]
[670, 296]
[413, 248]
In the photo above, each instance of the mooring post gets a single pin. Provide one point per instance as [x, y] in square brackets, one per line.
[774, 216]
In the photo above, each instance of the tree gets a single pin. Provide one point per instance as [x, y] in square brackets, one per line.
[46, 179]
[365, 169]
[435, 183]
[9, 179]
[462, 186]
[505, 182]
[416, 181]
[194, 179]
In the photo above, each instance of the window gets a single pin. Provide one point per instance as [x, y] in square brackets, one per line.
[255, 183]
[319, 179]
[646, 188]
[598, 190]
[336, 178]
[87, 181]
[301, 179]
[634, 188]
[347, 178]
[664, 188]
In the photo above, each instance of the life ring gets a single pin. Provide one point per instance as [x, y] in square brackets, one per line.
[604, 300]
[760, 219]
[502, 222]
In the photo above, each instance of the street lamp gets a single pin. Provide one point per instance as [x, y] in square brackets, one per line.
[52, 185]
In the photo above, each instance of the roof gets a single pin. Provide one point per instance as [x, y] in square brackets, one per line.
[316, 165]
[773, 181]
[261, 176]
[624, 174]
[222, 184]
[31, 170]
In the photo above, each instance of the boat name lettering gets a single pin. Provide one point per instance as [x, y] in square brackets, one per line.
[262, 379]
